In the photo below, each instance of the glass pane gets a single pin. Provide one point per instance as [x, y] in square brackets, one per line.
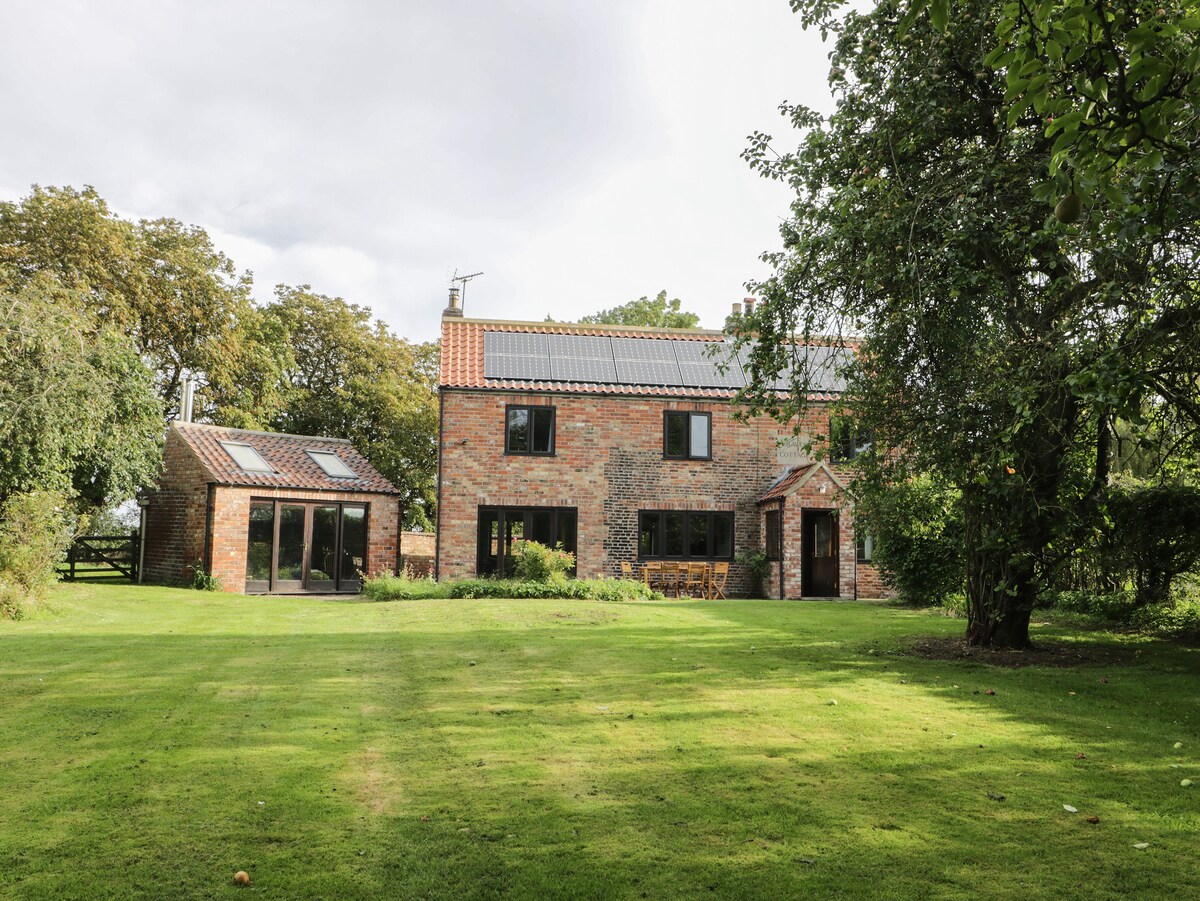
[518, 431]
[354, 542]
[322, 564]
[650, 535]
[489, 532]
[566, 529]
[676, 435]
[332, 465]
[543, 430]
[698, 535]
[261, 540]
[700, 426]
[674, 534]
[246, 457]
[291, 543]
[823, 537]
[541, 527]
[722, 534]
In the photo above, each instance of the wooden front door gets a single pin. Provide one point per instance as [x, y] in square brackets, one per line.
[819, 574]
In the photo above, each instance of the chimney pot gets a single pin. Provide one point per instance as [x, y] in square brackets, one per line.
[737, 309]
[455, 306]
[750, 302]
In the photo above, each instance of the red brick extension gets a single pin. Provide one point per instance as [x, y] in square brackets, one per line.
[178, 534]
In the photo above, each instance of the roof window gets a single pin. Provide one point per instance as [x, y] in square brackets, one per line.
[332, 464]
[246, 457]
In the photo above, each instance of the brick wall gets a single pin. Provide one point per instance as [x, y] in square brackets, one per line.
[417, 550]
[231, 519]
[175, 516]
[609, 465]
[176, 522]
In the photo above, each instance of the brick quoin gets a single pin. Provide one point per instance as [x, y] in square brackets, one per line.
[608, 464]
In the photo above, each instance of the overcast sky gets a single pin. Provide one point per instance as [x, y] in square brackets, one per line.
[579, 154]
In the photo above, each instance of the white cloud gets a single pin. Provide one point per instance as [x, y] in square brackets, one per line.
[580, 155]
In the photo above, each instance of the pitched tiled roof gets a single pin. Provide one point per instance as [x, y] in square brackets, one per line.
[784, 485]
[287, 455]
[462, 358]
[796, 477]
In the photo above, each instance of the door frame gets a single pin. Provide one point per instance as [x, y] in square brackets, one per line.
[808, 519]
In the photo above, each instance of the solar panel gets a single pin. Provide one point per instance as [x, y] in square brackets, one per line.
[585, 346]
[648, 372]
[505, 366]
[645, 349]
[515, 344]
[705, 375]
[580, 369]
[695, 351]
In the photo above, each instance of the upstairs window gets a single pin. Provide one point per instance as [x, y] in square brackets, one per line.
[529, 431]
[687, 436]
[246, 457]
[846, 442]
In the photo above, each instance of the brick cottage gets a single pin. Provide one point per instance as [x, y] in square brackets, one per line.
[268, 512]
[619, 442]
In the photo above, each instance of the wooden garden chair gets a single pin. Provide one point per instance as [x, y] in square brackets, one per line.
[693, 579]
[669, 579]
[627, 570]
[716, 581]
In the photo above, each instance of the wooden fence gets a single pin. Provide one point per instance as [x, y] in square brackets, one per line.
[102, 555]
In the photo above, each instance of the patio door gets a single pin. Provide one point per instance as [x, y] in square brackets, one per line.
[819, 562]
[301, 547]
[501, 527]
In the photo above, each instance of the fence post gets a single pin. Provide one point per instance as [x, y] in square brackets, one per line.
[71, 560]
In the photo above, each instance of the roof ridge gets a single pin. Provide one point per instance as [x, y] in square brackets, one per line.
[224, 428]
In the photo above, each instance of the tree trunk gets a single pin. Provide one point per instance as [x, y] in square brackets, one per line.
[1001, 588]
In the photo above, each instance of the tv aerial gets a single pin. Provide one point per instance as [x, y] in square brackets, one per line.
[463, 279]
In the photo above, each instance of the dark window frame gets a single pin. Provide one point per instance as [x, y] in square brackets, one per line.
[530, 408]
[709, 516]
[503, 512]
[773, 534]
[343, 583]
[845, 443]
[687, 454]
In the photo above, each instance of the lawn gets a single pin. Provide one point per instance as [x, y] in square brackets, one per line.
[153, 741]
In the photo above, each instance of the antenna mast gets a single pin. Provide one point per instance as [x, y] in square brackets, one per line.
[463, 279]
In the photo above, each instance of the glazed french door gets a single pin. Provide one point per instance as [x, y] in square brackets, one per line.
[294, 546]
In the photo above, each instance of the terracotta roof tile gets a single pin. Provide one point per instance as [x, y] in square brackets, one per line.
[780, 488]
[286, 454]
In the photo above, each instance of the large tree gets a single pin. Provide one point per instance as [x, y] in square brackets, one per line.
[1009, 301]
[318, 365]
[163, 283]
[656, 312]
[78, 409]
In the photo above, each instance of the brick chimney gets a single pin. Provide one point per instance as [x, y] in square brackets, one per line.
[737, 309]
[750, 302]
[455, 305]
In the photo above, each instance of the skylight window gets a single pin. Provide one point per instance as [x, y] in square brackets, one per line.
[333, 465]
[246, 457]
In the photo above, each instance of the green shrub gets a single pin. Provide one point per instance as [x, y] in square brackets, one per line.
[573, 589]
[1179, 617]
[203, 580]
[36, 528]
[535, 562]
[918, 530]
[402, 587]
[758, 565]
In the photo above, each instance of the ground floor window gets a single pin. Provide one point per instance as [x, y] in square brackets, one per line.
[685, 534]
[866, 548]
[774, 535]
[500, 527]
[305, 546]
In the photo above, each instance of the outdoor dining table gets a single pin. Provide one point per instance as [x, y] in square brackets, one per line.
[672, 580]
